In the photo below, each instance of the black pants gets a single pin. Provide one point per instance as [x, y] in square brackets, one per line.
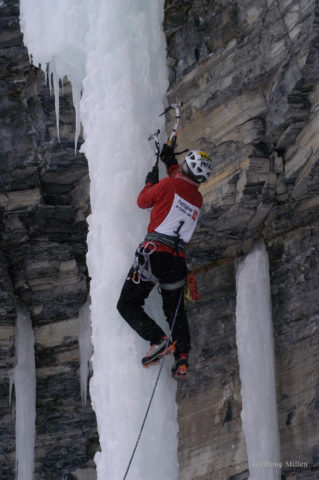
[168, 269]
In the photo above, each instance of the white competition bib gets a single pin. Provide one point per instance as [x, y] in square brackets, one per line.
[181, 219]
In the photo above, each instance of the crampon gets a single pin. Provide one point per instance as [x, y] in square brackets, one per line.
[180, 369]
[156, 352]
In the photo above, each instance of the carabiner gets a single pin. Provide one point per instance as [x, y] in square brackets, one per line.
[146, 246]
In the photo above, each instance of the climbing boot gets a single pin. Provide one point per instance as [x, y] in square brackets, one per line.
[156, 352]
[180, 369]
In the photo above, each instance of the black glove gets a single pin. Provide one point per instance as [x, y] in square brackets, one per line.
[167, 156]
[152, 176]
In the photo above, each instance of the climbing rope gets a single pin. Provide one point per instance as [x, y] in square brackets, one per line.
[155, 385]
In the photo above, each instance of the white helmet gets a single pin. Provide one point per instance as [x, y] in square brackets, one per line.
[197, 165]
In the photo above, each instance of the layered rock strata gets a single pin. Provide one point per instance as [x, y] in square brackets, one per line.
[44, 202]
[248, 74]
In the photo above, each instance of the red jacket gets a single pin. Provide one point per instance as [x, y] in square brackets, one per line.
[175, 203]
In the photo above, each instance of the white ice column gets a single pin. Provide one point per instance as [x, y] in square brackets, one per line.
[256, 364]
[123, 94]
[25, 394]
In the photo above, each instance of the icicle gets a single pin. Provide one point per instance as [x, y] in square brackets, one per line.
[55, 81]
[86, 349]
[76, 96]
[49, 70]
[256, 363]
[25, 393]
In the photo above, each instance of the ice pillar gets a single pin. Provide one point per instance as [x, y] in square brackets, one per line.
[123, 94]
[256, 364]
[25, 394]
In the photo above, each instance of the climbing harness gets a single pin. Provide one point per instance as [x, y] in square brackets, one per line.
[142, 270]
[172, 286]
[155, 385]
[169, 240]
[173, 241]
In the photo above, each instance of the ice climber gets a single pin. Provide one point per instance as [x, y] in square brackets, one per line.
[161, 258]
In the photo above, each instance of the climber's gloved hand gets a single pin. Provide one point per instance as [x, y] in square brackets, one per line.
[152, 176]
[167, 156]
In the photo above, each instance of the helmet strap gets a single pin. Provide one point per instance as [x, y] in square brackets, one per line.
[188, 172]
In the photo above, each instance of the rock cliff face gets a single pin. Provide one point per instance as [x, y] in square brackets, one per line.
[43, 205]
[248, 74]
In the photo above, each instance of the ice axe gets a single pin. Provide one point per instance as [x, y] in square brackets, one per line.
[172, 139]
[176, 106]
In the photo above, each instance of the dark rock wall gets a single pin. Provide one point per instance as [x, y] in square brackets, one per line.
[44, 201]
[295, 288]
[248, 74]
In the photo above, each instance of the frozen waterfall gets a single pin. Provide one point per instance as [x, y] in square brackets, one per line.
[256, 363]
[114, 52]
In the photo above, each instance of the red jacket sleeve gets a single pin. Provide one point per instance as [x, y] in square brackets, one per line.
[151, 193]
